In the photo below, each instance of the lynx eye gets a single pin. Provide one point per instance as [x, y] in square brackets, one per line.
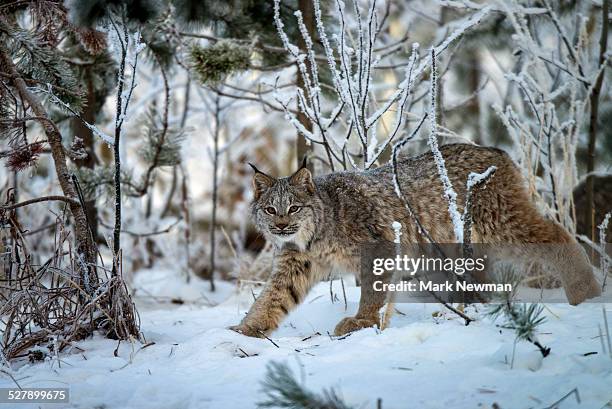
[294, 209]
[270, 210]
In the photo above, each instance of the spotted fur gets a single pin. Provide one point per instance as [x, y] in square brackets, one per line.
[340, 212]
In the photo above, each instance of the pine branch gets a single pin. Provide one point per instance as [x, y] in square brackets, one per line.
[214, 63]
[524, 319]
[85, 247]
[284, 391]
[160, 143]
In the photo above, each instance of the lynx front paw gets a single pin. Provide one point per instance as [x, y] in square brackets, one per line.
[247, 330]
[350, 324]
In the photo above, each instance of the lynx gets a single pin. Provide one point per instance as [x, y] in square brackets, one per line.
[321, 223]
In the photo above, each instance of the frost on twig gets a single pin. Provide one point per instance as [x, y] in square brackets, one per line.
[449, 192]
[554, 81]
[463, 26]
[308, 99]
[355, 113]
[406, 87]
[605, 262]
[474, 180]
[397, 229]
[58, 101]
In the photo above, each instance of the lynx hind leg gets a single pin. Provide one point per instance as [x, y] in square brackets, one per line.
[566, 258]
[367, 315]
[504, 215]
[371, 301]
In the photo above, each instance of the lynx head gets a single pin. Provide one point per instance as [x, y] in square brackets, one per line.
[286, 209]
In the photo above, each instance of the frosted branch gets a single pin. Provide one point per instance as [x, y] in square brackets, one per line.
[467, 24]
[605, 263]
[474, 180]
[397, 186]
[449, 192]
[406, 86]
[93, 128]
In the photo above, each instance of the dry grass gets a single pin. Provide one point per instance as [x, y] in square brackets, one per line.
[45, 305]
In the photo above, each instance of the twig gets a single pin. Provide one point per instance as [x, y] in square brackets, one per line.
[216, 134]
[159, 145]
[268, 338]
[147, 234]
[12, 378]
[604, 351]
[343, 293]
[40, 199]
[574, 391]
[475, 180]
[116, 148]
[607, 327]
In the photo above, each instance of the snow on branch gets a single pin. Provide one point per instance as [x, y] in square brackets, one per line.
[309, 98]
[432, 141]
[464, 26]
[315, 90]
[58, 101]
[474, 180]
[127, 50]
[555, 82]
[605, 262]
[329, 53]
[471, 5]
[398, 188]
[352, 56]
[406, 86]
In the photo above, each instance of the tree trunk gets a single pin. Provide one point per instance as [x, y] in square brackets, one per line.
[603, 45]
[213, 222]
[84, 245]
[79, 129]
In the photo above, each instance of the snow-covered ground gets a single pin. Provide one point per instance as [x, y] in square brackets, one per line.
[424, 360]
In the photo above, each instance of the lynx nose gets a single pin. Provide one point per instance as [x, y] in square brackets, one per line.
[282, 225]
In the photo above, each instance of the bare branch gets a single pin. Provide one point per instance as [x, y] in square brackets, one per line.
[40, 199]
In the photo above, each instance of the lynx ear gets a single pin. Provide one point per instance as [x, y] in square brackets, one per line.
[261, 181]
[303, 177]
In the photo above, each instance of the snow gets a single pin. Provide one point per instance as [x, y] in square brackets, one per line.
[397, 228]
[476, 178]
[426, 357]
[603, 227]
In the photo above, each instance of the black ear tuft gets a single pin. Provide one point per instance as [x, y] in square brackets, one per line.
[261, 181]
[304, 162]
[254, 168]
[257, 171]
